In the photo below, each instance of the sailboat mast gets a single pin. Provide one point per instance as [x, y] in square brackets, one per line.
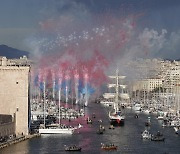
[59, 105]
[44, 104]
[144, 94]
[178, 99]
[117, 91]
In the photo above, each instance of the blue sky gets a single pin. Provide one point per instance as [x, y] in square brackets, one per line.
[20, 19]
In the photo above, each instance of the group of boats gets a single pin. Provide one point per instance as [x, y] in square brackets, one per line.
[116, 118]
[167, 119]
[106, 147]
[100, 130]
[157, 137]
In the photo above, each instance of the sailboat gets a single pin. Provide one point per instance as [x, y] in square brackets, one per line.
[116, 118]
[56, 129]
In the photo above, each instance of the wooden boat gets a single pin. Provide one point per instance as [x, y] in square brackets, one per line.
[72, 148]
[108, 147]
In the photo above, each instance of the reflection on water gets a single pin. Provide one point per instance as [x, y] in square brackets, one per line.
[127, 138]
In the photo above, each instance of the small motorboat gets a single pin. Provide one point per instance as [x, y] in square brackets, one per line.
[111, 127]
[177, 130]
[157, 137]
[100, 131]
[148, 122]
[100, 120]
[102, 128]
[89, 121]
[93, 115]
[108, 147]
[146, 135]
[136, 116]
[72, 148]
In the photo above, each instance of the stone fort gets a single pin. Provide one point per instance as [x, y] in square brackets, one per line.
[14, 95]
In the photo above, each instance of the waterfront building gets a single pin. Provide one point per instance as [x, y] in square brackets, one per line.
[155, 78]
[171, 74]
[176, 94]
[7, 125]
[14, 92]
[148, 84]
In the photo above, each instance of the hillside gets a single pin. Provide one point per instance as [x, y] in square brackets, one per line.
[11, 53]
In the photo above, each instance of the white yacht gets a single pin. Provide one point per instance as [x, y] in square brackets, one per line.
[56, 130]
[59, 128]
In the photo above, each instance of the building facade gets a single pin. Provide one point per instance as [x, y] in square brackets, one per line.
[147, 84]
[14, 94]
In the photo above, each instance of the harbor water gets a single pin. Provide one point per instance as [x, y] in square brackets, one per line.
[127, 137]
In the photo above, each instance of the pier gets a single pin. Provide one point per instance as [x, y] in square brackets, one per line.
[17, 140]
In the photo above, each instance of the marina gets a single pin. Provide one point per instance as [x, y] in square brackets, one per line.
[116, 121]
[127, 138]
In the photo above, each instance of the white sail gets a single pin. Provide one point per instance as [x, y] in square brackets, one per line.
[124, 96]
[111, 85]
[123, 86]
[109, 95]
[120, 77]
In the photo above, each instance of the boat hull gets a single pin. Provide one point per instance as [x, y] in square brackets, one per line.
[117, 122]
[109, 148]
[56, 131]
[77, 149]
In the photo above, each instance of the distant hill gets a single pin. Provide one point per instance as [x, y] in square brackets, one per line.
[11, 53]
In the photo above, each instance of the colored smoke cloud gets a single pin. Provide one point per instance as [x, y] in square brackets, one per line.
[73, 41]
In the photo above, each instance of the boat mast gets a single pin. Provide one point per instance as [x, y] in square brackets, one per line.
[178, 97]
[144, 92]
[59, 105]
[117, 91]
[44, 104]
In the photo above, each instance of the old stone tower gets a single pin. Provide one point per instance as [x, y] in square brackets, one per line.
[14, 93]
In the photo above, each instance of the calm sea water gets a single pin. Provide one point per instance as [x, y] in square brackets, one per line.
[127, 137]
